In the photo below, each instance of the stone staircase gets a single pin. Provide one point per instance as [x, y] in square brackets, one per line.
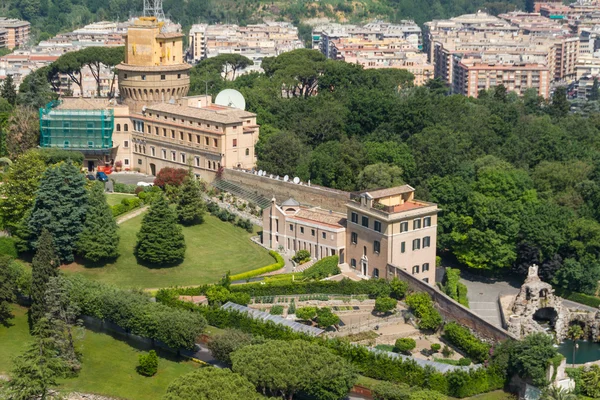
[305, 266]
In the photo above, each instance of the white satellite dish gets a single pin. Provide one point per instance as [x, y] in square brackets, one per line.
[296, 180]
[286, 178]
[231, 98]
[260, 172]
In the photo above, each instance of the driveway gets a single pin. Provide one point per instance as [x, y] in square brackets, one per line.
[131, 178]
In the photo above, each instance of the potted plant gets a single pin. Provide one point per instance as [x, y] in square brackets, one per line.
[118, 166]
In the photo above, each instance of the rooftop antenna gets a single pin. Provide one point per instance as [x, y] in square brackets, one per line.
[154, 8]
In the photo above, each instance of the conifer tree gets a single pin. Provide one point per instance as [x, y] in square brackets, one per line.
[190, 206]
[60, 206]
[160, 239]
[8, 287]
[9, 92]
[99, 239]
[36, 371]
[595, 92]
[43, 267]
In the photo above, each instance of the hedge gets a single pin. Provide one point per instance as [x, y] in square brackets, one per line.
[135, 313]
[323, 268]
[279, 263]
[7, 247]
[123, 188]
[586, 299]
[125, 206]
[462, 338]
[453, 288]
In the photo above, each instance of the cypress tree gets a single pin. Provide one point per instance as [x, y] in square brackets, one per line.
[43, 267]
[60, 206]
[99, 239]
[160, 239]
[190, 206]
[9, 92]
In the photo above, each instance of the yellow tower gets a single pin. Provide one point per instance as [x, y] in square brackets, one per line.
[154, 70]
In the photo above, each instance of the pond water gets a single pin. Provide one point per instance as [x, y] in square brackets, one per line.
[587, 351]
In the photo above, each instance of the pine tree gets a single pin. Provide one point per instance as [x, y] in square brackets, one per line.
[43, 267]
[595, 92]
[9, 92]
[190, 206]
[160, 239]
[60, 206]
[39, 367]
[99, 239]
[8, 288]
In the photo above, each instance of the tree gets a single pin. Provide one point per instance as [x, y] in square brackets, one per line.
[160, 240]
[170, 176]
[578, 276]
[399, 288]
[559, 108]
[190, 206]
[595, 91]
[405, 345]
[380, 175]
[70, 64]
[44, 266]
[217, 295]
[232, 63]
[35, 91]
[385, 304]
[99, 239]
[529, 358]
[284, 368]
[148, 364]
[23, 131]
[558, 393]
[9, 92]
[9, 276]
[281, 153]
[306, 313]
[591, 381]
[60, 207]
[96, 57]
[222, 345]
[325, 318]
[39, 367]
[297, 70]
[211, 384]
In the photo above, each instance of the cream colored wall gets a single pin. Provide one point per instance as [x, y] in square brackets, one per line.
[235, 157]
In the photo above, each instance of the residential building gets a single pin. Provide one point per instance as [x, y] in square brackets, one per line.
[18, 31]
[3, 38]
[380, 227]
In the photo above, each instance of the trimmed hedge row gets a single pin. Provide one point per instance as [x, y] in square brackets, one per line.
[323, 268]
[134, 312]
[462, 338]
[125, 206]
[586, 299]
[453, 288]
[279, 263]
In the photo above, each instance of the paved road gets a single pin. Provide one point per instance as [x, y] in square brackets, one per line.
[131, 178]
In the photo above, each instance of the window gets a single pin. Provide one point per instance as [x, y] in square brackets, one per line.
[415, 269]
[164, 154]
[149, 129]
[178, 76]
[126, 127]
[66, 143]
[376, 247]
[197, 161]
[301, 229]
[139, 161]
[377, 226]
[234, 142]
[291, 227]
[426, 222]
[365, 221]
[135, 147]
[355, 218]
[118, 127]
[417, 224]
[354, 238]
[163, 77]
[165, 132]
[426, 280]
[189, 137]
[353, 263]
[426, 241]
[180, 135]
[375, 272]
[403, 226]
[125, 76]
[172, 133]
[312, 232]
[215, 143]
[425, 267]
[143, 77]
[152, 151]
[206, 141]
[156, 130]
[90, 144]
[126, 144]
[403, 247]
[198, 139]
[126, 161]
[247, 152]
[324, 235]
[182, 158]
[416, 244]
[173, 156]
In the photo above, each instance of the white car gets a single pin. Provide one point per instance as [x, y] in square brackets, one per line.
[145, 184]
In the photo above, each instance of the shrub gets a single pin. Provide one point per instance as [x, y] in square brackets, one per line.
[462, 294]
[280, 263]
[245, 224]
[590, 381]
[447, 351]
[170, 176]
[453, 288]
[277, 310]
[301, 256]
[435, 347]
[465, 362]
[148, 364]
[390, 391]
[399, 288]
[225, 343]
[323, 268]
[292, 308]
[7, 247]
[306, 313]
[325, 318]
[462, 338]
[405, 345]
[385, 304]
[123, 188]
[125, 206]
[422, 306]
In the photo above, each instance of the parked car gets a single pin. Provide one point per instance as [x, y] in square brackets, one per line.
[101, 176]
[145, 184]
[90, 177]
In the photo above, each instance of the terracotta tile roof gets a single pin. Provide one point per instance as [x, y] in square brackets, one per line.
[225, 115]
[377, 194]
[83, 104]
[169, 35]
[318, 215]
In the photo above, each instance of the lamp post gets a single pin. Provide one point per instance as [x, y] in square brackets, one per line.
[575, 347]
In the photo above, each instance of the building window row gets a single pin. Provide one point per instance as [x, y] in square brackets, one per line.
[416, 224]
[365, 221]
[125, 127]
[423, 268]
[190, 138]
[216, 128]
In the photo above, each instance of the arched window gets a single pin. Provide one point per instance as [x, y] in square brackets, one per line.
[247, 152]
[126, 126]
[118, 127]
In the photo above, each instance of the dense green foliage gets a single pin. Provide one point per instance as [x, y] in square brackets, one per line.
[211, 384]
[385, 304]
[453, 288]
[60, 206]
[405, 345]
[289, 367]
[160, 239]
[148, 364]
[125, 206]
[222, 345]
[301, 256]
[461, 337]
[323, 268]
[391, 391]
[190, 206]
[44, 266]
[99, 239]
[9, 277]
[422, 306]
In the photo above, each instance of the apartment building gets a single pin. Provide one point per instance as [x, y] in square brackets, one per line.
[255, 41]
[293, 227]
[3, 38]
[18, 32]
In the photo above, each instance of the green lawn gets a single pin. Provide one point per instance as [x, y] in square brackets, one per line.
[115, 198]
[108, 364]
[213, 248]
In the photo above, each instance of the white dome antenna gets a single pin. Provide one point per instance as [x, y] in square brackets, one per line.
[231, 98]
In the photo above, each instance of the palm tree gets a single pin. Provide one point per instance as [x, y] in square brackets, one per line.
[575, 333]
[557, 393]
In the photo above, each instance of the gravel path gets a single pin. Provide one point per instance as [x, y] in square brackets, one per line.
[130, 215]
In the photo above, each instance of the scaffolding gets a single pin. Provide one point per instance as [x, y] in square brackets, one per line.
[81, 130]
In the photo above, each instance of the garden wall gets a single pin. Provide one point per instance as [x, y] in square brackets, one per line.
[451, 309]
[328, 199]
